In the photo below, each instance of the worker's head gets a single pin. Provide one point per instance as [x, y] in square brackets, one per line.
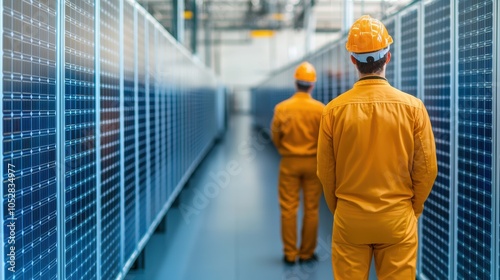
[305, 77]
[369, 43]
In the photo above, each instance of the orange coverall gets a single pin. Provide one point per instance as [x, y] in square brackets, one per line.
[377, 164]
[294, 128]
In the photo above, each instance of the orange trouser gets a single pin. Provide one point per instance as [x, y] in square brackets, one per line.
[390, 237]
[299, 173]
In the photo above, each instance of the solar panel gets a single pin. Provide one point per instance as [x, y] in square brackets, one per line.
[435, 223]
[153, 150]
[80, 151]
[110, 138]
[141, 125]
[409, 52]
[29, 137]
[129, 112]
[475, 201]
[390, 72]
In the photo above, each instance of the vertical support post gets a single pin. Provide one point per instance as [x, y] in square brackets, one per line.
[140, 261]
[97, 67]
[162, 225]
[60, 136]
[208, 35]
[496, 145]
[178, 20]
[122, 137]
[421, 95]
[2, 240]
[147, 82]
[348, 16]
[309, 26]
[194, 27]
[454, 138]
[136, 123]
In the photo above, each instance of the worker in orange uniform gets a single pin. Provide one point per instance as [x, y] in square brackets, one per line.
[294, 128]
[377, 164]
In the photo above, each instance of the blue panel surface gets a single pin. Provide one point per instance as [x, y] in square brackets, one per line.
[29, 137]
[142, 171]
[153, 93]
[409, 52]
[169, 140]
[110, 138]
[475, 48]
[80, 151]
[163, 142]
[129, 131]
[390, 72]
[64, 153]
[436, 219]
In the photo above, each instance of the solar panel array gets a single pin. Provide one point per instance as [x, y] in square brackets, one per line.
[91, 94]
[443, 52]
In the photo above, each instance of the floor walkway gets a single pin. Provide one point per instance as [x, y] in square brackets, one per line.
[226, 225]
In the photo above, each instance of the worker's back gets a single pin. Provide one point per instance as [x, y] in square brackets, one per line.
[373, 140]
[299, 118]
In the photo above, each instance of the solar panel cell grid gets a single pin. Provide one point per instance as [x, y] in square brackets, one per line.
[437, 88]
[390, 72]
[129, 131]
[474, 123]
[142, 168]
[80, 160]
[409, 52]
[110, 138]
[29, 150]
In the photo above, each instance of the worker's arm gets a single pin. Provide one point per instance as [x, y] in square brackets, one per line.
[326, 162]
[424, 169]
[276, 128]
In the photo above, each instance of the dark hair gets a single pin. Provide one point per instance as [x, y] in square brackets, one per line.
[303, 87]
[372, 66]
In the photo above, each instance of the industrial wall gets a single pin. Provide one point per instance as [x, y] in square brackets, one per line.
[104, 117]
[444, 53]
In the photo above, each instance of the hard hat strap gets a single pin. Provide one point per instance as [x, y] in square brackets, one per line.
[363, 57]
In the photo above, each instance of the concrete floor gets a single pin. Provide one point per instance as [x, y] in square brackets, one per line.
[226, 224]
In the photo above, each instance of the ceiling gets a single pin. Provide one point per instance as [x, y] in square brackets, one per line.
[223, 15]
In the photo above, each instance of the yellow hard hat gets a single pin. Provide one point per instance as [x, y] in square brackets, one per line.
[305, 73]
[368, 37]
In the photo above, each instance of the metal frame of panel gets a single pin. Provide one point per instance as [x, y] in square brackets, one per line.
[98, 169]
[454, 139]
[496, 147]
[60, 141]
[454, 161]
[122, 136]
[2, 253]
